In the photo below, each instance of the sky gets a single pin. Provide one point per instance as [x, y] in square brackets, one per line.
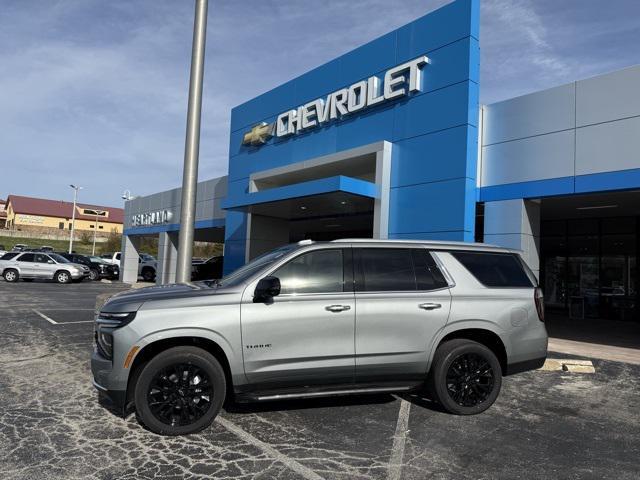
[94, 92]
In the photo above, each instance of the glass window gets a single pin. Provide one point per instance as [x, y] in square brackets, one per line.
[319, 271]
[254, 266]
[9, 255]
[26, 257]
[40, 258]
[495, 269]
[61, 225]
[428, 275]
[386, 269]
[59, 258]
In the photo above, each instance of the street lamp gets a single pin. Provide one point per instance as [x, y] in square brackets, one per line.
[73, 214]
[95, 230]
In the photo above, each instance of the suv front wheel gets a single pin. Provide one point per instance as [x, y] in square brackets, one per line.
[465, 377]
[180, 391]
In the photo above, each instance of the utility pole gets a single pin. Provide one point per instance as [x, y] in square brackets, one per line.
[192, 146]
[95, 230]
[73, 215]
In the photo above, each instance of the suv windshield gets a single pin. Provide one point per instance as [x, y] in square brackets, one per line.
[59, 258]
[243, 273]
[96, 259]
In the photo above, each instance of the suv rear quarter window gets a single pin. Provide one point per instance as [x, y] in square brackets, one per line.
[495, 269]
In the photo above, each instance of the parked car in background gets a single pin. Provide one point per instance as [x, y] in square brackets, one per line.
[147, 264]
[211, 269]
[2, 250]
[323, 319]
[98, 268]
[31, 265]
[111, 257]
[19, 247]
[46, 248]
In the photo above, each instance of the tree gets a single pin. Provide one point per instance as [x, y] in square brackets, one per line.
[113, 243]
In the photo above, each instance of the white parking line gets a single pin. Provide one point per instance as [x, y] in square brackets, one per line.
[40, 314]
[269, 450]
[53, 322]
[399, 440]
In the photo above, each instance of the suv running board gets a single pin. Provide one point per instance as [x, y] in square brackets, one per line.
[264, 397]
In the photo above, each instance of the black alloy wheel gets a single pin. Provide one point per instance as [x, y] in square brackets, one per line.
[465, 377]
[180, 394]
[179, 391]
[469, 380]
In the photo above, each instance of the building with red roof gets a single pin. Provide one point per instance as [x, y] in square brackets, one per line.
[50, 216]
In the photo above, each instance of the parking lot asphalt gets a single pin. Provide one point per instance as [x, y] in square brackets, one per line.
[544, 424]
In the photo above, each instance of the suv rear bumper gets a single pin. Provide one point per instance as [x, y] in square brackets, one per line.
[519, 367]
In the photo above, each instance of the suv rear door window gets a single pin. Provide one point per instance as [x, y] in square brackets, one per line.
[9, 255]
[386, 270]
[319, 271]
[26, 257]
[495, 269]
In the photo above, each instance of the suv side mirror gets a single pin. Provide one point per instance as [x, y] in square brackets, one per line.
[267, 288]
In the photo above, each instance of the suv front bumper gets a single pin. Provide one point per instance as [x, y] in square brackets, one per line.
[109, 389]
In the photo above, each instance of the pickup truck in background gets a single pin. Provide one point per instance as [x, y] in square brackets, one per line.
[147, 264]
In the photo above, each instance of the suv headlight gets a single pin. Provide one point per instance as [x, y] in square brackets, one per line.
[106, 323]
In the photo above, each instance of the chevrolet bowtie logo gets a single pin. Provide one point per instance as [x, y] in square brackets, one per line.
[259, 134]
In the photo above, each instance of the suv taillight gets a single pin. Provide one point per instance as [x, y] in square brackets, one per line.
[538, 297]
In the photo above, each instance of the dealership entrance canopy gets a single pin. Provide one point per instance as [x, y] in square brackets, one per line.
[390, 141]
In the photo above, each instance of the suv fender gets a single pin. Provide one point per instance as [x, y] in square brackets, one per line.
[465, 326]
[233, 356]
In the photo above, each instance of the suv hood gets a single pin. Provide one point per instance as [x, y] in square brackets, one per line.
[132, 300]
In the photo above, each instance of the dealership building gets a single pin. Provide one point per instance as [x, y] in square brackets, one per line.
[390, 141]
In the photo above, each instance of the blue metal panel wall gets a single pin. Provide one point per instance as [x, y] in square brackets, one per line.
[434, 132]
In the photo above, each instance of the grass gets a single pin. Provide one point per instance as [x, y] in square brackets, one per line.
[58, 245]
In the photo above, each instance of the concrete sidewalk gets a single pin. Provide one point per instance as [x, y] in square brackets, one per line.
[594, 350]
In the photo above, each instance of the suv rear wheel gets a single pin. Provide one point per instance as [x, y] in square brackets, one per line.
[465, 377]
[148, 274]
[180, 391]
[11, 275]
[63, 276]
[94, 274]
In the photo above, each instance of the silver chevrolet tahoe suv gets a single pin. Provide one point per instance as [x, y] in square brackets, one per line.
[317, 319]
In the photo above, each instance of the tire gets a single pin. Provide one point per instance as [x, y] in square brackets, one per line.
[94, 275]
[163, 411]
[62, 276]
[11, 275]
[454, 381]
[148, 274]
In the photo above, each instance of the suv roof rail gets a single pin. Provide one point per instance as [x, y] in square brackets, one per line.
[432, 243]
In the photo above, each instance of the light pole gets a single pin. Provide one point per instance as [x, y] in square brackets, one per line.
[73, 214]
[95, 230]
[192, 145]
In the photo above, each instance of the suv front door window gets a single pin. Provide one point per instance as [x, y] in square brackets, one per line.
[304, 335]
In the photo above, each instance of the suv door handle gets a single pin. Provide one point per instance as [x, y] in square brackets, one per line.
[337, 308]
[429, 306]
